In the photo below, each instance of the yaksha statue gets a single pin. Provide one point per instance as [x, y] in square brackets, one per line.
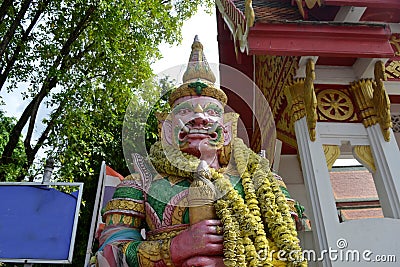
[212, 202]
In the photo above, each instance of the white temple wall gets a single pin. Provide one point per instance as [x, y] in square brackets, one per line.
[290, 171]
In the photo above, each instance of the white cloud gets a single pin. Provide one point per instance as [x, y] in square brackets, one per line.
[14, 105]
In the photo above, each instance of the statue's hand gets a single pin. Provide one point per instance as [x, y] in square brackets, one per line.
[203, 261]
[201, 239]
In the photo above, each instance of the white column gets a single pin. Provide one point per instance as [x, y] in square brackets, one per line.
[387, 175]
[319, 190]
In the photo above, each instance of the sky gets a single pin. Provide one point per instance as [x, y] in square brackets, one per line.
[202, 24]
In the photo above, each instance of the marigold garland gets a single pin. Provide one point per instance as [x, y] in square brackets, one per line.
[243, 219]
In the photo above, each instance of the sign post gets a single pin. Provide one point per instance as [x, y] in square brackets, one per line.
[38, 223]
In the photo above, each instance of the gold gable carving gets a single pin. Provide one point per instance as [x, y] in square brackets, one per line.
[273, 75]
[364, 155]
[310, 100]
[393, 66]
[362, 91]
[393, 69]
[381, 100]
[332, 152]
[302, 100]
[295, 97]
[372, 101]
[395, 41]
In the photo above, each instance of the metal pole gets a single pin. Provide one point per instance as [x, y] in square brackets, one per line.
[48, 170]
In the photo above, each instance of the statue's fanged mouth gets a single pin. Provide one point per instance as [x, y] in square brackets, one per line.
[189, 131]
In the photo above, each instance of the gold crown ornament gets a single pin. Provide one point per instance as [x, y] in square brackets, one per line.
[198, 79]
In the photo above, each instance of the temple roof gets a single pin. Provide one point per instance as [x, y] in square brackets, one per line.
[272, 11]
[298, 10]
[306, 27]
[344, 37]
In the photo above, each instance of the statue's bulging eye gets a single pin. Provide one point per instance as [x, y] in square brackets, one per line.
[184, 111]
[213, 112]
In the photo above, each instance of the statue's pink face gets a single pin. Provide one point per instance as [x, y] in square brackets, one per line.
[197, 125]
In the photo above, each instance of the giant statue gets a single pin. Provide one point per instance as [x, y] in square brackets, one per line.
[201, 197]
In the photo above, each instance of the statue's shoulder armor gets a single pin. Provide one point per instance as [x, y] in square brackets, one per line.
[144, 170]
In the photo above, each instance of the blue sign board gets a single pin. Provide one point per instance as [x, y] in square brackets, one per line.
[37, 222]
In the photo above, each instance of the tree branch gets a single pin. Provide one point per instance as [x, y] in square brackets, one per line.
[78, 30]
[10, 33]
[3, 9]
[24, 39]
[43, 137]
[49, 83]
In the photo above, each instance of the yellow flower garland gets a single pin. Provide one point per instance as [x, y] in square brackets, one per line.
[243, 219]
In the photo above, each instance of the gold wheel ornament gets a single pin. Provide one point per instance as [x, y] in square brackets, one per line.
[335, 104]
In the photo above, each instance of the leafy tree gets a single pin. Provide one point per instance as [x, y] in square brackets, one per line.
[165, 86]
[85, 61]
[64, 48]
[18, 157]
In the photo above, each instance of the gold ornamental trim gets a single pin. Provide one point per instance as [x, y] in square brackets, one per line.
[165, 252]
[239, 23]
[198, 79]
[179, 210]
[209, 90]
[393, 69]
[395, 41]
[362, 91]
[249, 13]
[285, 138]
[332, 153]
[372, 100]
[364, 155]
[124, 204]
[116, 218]
[295, 97]
[302, 100]
[125, 247]
[149, 253]
[309, 3]
[335, 105]
[274, 74]
[310, 100]
[381, 100]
